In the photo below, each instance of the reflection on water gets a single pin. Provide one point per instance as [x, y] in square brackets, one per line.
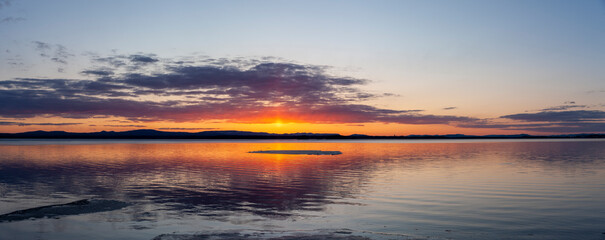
[496, 190]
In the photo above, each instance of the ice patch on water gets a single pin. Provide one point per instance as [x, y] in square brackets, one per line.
[73, 208]
[341, 234]
[299, 152]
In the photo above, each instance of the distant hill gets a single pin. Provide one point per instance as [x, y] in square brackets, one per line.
[155, 134]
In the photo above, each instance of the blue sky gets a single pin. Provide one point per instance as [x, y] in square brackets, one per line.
[479, 59]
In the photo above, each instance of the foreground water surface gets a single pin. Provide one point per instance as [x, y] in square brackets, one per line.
[376, 189]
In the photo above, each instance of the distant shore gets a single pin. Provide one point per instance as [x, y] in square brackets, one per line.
[154, 134]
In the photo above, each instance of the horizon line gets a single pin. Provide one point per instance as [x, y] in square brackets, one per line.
[304, 134]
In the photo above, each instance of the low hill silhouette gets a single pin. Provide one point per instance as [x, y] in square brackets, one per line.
[155, 134]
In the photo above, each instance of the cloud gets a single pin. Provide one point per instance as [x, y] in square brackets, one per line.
[11, 19]
[568, 105]
[37, 124]
[570, 128]
[142, 59]
[233, 90]
[449, 108]
[42, 46]
[559, 116]
[128, 63]
[577, 127]
[5, 3]
[130, 125]
[97, 72]
[549, 120]
[187, 129]
[60, 54]
[55, 52]
[596, 91]
[112, 61]
[426, 119]
[15, 62]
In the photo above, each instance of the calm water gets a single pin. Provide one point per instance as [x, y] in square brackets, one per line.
[380, 190]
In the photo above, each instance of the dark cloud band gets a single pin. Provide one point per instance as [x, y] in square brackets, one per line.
[251, 91]
[560, 116]
[36, 124]
[144, 88]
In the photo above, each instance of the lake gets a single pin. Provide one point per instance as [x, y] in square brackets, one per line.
[424, 189]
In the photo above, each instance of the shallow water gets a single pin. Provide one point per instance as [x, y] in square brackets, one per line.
[376, 189]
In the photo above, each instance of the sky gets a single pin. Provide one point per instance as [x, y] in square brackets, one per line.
[348, 67]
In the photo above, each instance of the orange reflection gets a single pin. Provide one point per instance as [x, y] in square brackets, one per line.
[235, 155]
[199, 167]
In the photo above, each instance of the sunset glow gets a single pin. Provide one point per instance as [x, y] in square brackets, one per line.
[409, 67]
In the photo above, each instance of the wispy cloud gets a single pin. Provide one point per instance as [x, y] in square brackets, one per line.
[559, 116]
[37, 124]
[5, 3]
[129, 125]
[188, 129]
[560, 127]
[142, 58]
[98, 72]
[567, 105]
[596, 91]
[127, 63]
[553, 120]
[55, 52]
[11, 19]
